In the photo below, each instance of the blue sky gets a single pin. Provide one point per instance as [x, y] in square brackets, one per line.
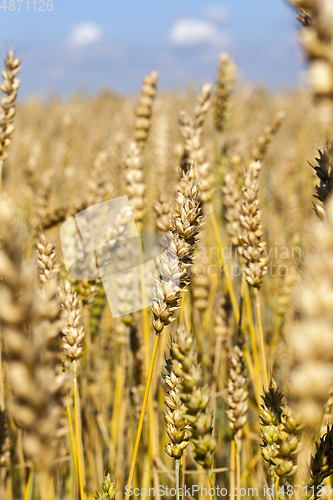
[108, 43]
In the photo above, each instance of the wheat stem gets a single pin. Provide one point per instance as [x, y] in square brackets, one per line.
[142, 414]
[182, 305]
[261, 339]
[253, 340]
[183, 459]
[238, 472]
[274, 344]
[21, 460]
[249, 362]
[251, 466]
[232, 469]
[29, 487]
[9, 487]
[225, 268]
[211, 485]
[77, 433]
[177, 465]
[151, 437]
[71, 434]
[46, 487]
[118, 395]
[271, 469]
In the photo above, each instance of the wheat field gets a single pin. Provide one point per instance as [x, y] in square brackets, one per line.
[204, 371]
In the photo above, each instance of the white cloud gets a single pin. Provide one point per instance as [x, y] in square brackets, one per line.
[188, 32]
[85, 34]
[218, 13]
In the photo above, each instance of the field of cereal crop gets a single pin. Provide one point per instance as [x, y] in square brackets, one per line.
[166, 287]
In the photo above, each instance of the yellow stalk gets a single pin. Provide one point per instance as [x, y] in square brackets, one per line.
[152, 445]
[21, 459]
[28, 489]
[77, 433]
[211, 485]
[253, 338]
[46, 486]
[218, 347]
[144, 477]
[208, 314]
[232, 469]
[9, 487]
[119, 471]
[238, 472]
[71, 434]
[225, 268]
[142, 414]
[261, 339]
[276, 484]
[183, 468]
[117, 400]
[182, 305]
[251, 466]
[250, 367]
[253, 371]
[275, 341]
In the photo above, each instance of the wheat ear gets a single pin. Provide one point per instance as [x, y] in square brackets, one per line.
[321, 465]
[173, 277]
[30, 327]
[9, 88]
[316, 37]
[144, 109]
[324, 172]
[225, 82]
[310, 338]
